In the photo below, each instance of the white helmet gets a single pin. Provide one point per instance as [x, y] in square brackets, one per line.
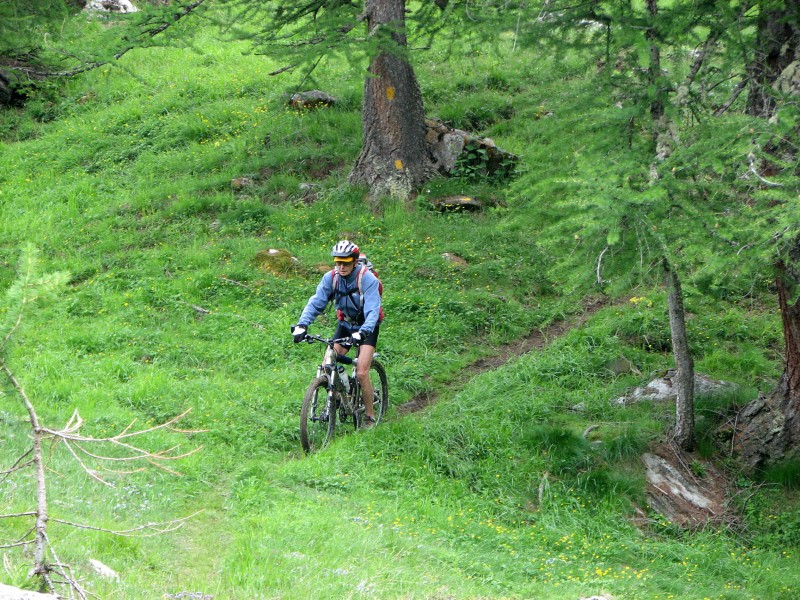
[345, 249]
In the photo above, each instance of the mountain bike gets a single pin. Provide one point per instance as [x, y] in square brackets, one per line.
[333, 392]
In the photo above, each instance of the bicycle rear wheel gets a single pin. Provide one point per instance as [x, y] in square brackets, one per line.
[318, 416]
[380, 396]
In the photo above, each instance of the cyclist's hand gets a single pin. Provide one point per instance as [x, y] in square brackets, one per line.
[298, 333]
[356, 337]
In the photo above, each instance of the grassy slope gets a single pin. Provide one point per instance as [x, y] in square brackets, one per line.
[492, 492]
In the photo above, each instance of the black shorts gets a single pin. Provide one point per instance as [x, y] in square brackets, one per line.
[343, 330]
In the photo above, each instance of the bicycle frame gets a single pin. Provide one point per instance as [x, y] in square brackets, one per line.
[328, 368]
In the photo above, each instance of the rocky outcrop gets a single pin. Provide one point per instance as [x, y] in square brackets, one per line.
[454, 150]
[111, 6]
[661, 389]
[310, 100]
[682, 489]
[789, 80]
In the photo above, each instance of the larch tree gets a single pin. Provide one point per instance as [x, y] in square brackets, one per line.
[394, 159]
[770, 430]
[718, 58]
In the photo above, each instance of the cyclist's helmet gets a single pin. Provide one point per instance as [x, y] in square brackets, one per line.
[345, 251]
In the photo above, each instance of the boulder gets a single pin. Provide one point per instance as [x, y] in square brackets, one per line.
[8, 592]
[276, 262]
[457, 203]
[242, 182]
[661, 389]
[111, 6]
[455, 259]
[102, 570]
[789, 80]
[310, 100]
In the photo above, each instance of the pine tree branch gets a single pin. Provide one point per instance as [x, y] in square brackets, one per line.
[17, 466]
[734, 95]
[159, 27]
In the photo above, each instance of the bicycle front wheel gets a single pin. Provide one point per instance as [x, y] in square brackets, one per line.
[380, 395]
[318, 416]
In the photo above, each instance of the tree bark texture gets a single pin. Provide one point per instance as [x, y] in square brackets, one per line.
[777, 46]
[654, 69]
[789, 384]
[394, 159]
[770, 426]
[683, 382]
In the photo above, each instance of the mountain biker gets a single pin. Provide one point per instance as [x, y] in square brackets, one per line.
[358, 310]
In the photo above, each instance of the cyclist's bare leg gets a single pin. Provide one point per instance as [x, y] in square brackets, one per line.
[365, 354]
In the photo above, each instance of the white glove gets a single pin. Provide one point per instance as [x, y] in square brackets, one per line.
[298, 333]
[356, 337]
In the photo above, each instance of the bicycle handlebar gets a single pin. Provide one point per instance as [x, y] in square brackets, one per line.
[327, 341]
[340, 358]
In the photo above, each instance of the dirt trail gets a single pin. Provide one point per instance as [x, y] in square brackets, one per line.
[672, 488]
[534, 341]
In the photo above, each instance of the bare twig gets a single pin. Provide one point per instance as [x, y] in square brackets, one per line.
[17, 544]
[158, 528]
[200, 309]
[16, 466]
[14, 515]
[41, 490]
[47, 565]
[600, 265]
[589, 430]
[282, 69]
[734, 95]
[234, 282]
[751, 160]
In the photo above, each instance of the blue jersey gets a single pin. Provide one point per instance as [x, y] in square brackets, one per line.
[348, 300]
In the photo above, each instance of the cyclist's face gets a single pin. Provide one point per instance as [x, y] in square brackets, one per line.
[345, 268]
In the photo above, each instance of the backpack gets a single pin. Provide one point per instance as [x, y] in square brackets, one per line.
[364, 265]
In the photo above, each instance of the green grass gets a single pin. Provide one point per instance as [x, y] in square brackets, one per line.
[493, 492]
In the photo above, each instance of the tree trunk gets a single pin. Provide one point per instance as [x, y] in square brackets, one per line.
[394, 160]
[683, 382]
[770, 430]
[777, 46]
[654, 69]
[664, 131]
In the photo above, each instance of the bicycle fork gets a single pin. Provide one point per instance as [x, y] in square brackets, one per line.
[328, 406]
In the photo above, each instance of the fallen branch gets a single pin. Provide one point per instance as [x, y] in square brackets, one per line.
[600, 280]
[160, 528]
[205, 311]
